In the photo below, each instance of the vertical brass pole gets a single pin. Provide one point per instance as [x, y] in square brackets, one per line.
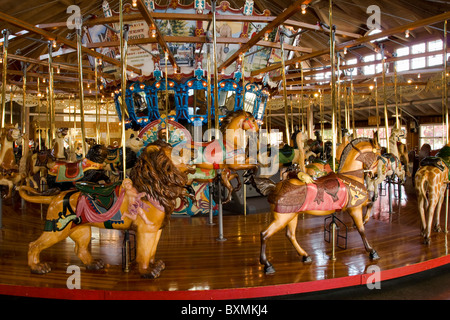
[446, 83]
[97, 110]
[339, 98]
[24, 98]
[108, 137]
[355, 135]
[123, 60]
[166, 57]
[376, 106]
[333, 85]
[81, 91]
[5, 70]
[386, 120]
[283, 75]
[11, 96]
[216, 76]
[397, 116]
[51, 93]
[301, 97]
[39, 112]
[208, 88]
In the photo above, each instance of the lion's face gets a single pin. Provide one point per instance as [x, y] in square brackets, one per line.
[179, 162]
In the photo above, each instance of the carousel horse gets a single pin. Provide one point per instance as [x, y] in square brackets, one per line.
[226, 154]
[58, 151]
[63, 174]
[389, 165]
[10, 174]
[143, 203]
[114, 159]
[292, 157]
[344, 190]
[430, 184]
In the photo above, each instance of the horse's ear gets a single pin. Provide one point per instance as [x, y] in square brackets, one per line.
[16, 126]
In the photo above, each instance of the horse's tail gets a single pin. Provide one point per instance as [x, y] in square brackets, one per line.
[31, 195]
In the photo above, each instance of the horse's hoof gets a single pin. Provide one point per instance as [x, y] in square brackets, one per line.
[269, 269]
[374, 255]
[96, 265]
[307, 259]
[41, 268]
[154, 271]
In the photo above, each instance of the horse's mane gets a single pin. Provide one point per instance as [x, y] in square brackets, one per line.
[349, 147]
[229, 117]
[97, 153]
[155, 174]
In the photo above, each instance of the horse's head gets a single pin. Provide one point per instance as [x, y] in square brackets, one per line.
[396, 135]
[97, 153]
[360, 154]
[11, 132]
[62, 132]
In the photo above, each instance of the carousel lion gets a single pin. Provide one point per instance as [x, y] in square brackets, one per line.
[143, 203]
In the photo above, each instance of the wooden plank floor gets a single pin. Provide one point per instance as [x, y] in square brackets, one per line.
[197, 262]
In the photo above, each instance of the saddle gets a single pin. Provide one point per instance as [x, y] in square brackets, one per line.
[101, 194]
[434, 162]
[72, 171]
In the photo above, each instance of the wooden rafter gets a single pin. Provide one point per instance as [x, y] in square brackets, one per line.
[51, 36]
[159, 37]
[361, 40]
[280, 19]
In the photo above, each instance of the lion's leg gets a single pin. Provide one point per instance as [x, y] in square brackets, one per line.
[46, 240]
[82, 237]
[147, 243]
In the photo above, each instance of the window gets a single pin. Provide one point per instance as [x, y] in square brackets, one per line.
[370, 69]
[402, 65]
[417, 63]
[432, 135]
[354, 71]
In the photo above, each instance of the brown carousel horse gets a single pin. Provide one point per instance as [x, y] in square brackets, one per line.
[430, 183]
[143, 203]
[10, 174]
[228, 153]
[344, 190]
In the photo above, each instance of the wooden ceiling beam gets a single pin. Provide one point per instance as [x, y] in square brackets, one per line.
[59, 39]
[159, 36]
[348, 44]
[280, 19]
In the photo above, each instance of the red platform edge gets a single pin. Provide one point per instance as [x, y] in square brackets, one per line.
[221, 294]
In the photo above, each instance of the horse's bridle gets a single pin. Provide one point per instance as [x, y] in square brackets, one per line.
[369, 159]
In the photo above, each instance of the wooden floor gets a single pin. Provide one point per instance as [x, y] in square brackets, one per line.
[200, 267]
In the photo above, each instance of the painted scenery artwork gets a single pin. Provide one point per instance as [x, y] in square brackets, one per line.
[187, 54]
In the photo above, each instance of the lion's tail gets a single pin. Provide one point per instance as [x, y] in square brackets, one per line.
[31, 195]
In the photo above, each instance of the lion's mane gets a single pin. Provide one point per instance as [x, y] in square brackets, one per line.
[156, 175]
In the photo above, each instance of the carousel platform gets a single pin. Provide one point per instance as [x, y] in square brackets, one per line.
[199, 267]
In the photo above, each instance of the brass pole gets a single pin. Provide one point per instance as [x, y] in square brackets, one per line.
[386, 120]
[166, 57]
[97, 110]
[208, 89]
[11, 96]
[81, 91]
[24, 97]
[446, 83]
[301, 97]
[51, 93]
[333, 84]
[5, 70]
[397, 119]
[355, 135]
[376, 106]
[283, 74]
[108, 137]
[216, 76]
[123, 60]
[39, 112]
[339, 98]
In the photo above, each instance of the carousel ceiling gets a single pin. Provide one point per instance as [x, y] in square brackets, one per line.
[250, 27]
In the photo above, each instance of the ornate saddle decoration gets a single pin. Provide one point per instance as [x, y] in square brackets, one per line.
[331, 192]
[73, 171]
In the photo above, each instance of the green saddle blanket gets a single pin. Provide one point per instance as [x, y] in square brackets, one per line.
[101, 194]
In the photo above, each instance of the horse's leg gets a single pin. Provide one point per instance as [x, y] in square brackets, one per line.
[279, 222]
[290, 234]
[82, 237]
[225, 179]
[432, 203]
[357, 215]
[46, 240]
[368, 211]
